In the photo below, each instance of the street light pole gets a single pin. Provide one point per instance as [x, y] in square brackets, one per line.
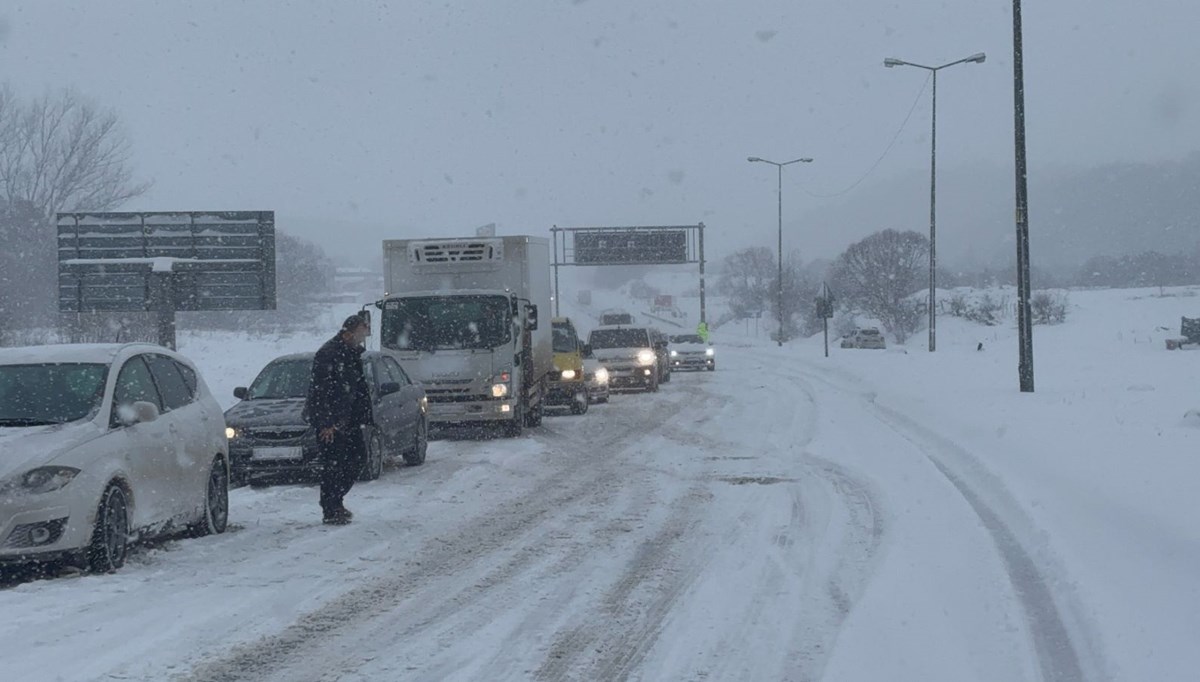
[1024, 314]
[977, 58]
[779, 292]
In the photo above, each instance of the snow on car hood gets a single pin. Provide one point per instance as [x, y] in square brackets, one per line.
[25, 447]
[616, 354]
[262, 412]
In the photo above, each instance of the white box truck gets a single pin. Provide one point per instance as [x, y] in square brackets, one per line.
[461, 315]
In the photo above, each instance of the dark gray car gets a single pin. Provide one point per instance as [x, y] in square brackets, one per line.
[268, 439]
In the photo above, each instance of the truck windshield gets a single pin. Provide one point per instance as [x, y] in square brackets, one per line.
[620, 338]
[447, 323]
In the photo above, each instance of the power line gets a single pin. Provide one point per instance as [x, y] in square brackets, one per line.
[882, 156]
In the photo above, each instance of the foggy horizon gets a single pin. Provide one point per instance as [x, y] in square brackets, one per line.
[428, 121]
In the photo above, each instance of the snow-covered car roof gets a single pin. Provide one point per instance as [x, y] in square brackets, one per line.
[73, 352]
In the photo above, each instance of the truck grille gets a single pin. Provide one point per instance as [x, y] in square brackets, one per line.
[452, 395]
[463, 251]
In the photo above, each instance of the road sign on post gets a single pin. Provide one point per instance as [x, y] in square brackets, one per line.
[825, 311]
[166, 262]
[617, 246]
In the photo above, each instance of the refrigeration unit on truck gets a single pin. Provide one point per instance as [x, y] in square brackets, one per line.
[461, 315]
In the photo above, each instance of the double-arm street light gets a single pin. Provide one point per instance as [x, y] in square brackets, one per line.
[779, 167]
[977, 58]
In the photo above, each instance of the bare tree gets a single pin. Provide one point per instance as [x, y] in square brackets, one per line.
[748, 278]
[58, 152]
[878, 276]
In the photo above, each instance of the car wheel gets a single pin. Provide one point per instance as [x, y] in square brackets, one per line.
[580, 404]
[373, 466]
[514, 426]
[110, 537]
[712, 367]
[216, 502]
[416, 456]
[533, 418]
[667, 377]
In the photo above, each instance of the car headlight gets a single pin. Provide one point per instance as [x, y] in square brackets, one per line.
[710, 352]
[231, 432]
[499, 390]
[424, 405]
[602, 375]
[674, 353]
[645, 357]
[47, 479]
[568, 374]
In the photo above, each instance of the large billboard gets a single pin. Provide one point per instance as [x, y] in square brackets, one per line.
[631, 247]
[183, 261]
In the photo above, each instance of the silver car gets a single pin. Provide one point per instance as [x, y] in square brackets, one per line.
[869, 338]
[102, 444]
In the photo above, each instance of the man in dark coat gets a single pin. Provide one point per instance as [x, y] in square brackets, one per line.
[338, 406]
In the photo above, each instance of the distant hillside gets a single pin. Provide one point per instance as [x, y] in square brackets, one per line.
[1110, 210]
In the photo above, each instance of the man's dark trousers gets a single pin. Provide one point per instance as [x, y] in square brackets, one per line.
[341, 462]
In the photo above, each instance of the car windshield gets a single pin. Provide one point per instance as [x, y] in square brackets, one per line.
[565, 340]
[687, 339]
[447, 323]
[280, 380]
[620, 338]
[34, 395]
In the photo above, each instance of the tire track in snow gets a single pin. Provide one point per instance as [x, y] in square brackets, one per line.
[1051, 616]
[609, 645]
[573, 479]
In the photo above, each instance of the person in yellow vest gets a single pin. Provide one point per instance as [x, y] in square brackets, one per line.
[702, 331]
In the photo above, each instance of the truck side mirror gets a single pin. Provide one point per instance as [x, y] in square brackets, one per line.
[587, 350]
[240, 392]
[531, 319]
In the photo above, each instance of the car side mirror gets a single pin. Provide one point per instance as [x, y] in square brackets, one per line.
[661, 345]
[138, 413]
[587, 350]
[531, 318]
[389, 388]
[241, 392]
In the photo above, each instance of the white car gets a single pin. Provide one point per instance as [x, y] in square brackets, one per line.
[101, 445]
[595, 375]
[690, 351]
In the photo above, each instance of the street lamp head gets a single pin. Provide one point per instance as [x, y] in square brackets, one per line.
[806, 160]
[978, 58]
[890, 62]
[752, 159]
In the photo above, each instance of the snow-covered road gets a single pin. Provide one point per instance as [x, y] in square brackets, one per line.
[768, 521]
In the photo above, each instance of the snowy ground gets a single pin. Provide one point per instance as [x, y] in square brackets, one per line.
[871, 516]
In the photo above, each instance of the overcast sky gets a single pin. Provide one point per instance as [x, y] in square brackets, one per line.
[357, 121]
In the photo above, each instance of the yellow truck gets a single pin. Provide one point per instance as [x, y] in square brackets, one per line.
[568, 387]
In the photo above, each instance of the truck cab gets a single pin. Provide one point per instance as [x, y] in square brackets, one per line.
[568, 387]
[461, 316]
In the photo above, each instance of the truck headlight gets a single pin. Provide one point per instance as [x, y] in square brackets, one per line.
[424, 405]
[499, 390]
[568, 374]
[231, 432]
[645, 357]
[674, 353]
[602, 375]
[710, 352]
